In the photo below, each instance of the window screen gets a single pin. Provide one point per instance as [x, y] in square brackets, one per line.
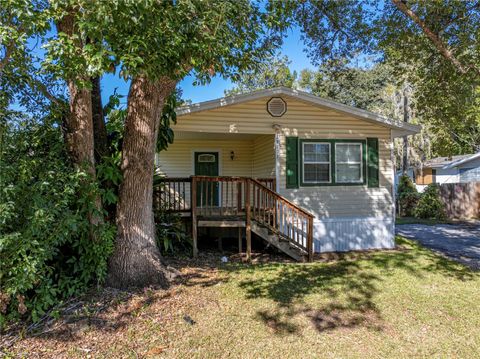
[348, 162]
[316, 162]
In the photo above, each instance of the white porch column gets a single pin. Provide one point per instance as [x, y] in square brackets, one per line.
[278, 131]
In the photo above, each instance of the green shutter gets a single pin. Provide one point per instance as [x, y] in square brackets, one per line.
[292, 162]
[372, 162]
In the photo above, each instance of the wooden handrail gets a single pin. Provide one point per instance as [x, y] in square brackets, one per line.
[284, 199]
[282, 216]
[219, 178]
[174, 179]
[252, 199]
[268, 182]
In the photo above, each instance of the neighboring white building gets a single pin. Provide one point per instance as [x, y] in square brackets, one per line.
[454, 169]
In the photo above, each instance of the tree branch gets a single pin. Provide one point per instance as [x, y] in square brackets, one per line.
[6, 58]
[433, 37]
[40, 87]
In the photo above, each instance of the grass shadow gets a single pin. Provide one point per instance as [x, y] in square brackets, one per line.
[338, 294]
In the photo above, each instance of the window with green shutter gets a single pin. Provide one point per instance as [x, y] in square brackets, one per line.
[292, 162]
[332, 162]
[372, 162]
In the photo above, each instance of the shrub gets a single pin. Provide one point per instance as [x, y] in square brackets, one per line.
[170, 233]
[430, 205]
[407, 196]
[46, 253]
[171, 238]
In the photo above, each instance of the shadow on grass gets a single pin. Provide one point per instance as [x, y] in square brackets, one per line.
[344, 290]
[332, 295]
[112, 311]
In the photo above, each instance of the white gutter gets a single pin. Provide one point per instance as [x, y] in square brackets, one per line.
[461, 162]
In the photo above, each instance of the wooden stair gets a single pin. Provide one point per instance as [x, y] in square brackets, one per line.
[240, 202]
[280, 242]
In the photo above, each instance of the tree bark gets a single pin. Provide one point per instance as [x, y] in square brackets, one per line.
[79, 126]
[99, 129]
[136, 261]
[405, 138]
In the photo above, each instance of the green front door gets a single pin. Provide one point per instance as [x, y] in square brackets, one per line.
[206, 164]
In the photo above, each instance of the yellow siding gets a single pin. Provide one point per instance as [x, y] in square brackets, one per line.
[345, 201]
[305, 121]
[177, 160]
[252, 117]
[264, 156]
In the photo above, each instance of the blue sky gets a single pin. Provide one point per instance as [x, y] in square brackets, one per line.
[293, 47]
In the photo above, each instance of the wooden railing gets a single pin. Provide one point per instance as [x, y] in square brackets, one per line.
[270, 183]
[172, 194]
[218, 196]
[243, 197]
[282, 216]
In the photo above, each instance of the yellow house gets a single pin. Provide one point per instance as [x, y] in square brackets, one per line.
[288, 166]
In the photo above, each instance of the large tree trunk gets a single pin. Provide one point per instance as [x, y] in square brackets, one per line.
[80, 128]
[99, 128]
[79, 125]
[136, 261]
[405, 138]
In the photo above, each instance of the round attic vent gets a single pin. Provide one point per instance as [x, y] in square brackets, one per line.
[276, 106]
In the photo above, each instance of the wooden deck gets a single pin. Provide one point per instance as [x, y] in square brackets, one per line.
[239, 202]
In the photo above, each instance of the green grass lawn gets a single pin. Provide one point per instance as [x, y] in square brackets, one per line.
[408, 302]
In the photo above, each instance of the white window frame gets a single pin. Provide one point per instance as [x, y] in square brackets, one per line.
[349, 163]
[206, 154]
[322, 163]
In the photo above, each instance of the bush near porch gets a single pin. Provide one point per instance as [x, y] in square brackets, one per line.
[426, 206]
[407, 302]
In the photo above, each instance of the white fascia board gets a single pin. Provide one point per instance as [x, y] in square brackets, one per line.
[461, 162]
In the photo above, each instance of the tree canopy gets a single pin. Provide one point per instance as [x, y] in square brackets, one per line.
[365, 88]
[273, 72]
[431, 45]
[55, 54]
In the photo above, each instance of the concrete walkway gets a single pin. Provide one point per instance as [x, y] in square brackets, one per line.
[460, 242]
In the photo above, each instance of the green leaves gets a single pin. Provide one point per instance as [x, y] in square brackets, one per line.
[273, 72]
[359, 87]
[407, 196]
[45, 248]
[446, 101]
[169, 117]
[445, 98]
[170, 236]
[334, 30]
[430, 205]
[163, 38]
